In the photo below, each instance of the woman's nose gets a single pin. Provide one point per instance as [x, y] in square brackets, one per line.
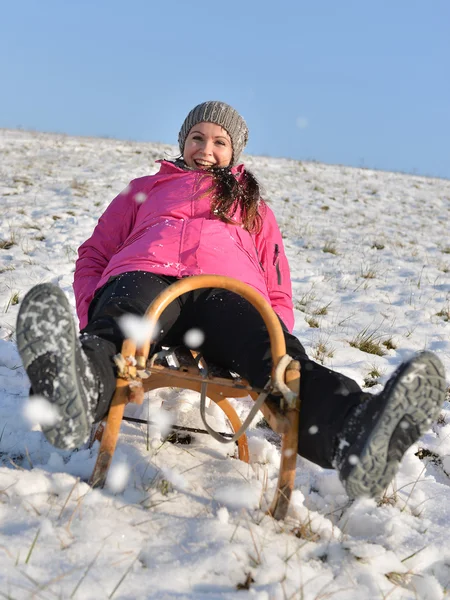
[208, 147]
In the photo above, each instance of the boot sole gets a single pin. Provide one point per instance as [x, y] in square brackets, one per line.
[45, 326]
[412, 403]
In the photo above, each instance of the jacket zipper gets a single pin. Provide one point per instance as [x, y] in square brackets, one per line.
[257, 254]
[276, 259]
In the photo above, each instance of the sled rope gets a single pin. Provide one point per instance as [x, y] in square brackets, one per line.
[172, 427]
[277, 385]
[279, 381]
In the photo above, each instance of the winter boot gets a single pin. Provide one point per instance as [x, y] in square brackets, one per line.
[380, 430]
[56, 364]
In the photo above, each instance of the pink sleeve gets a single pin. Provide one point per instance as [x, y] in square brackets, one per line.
[269, 244]
[94, 254]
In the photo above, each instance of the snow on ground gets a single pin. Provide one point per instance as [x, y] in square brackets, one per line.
[370, 259]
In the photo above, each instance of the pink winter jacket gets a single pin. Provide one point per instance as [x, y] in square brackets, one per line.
[163, 224]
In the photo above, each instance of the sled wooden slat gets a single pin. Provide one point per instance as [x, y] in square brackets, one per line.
[146, 376]
[220, 386]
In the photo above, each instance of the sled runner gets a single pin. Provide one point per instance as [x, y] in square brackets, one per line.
[138, 373]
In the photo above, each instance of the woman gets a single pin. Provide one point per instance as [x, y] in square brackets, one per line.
[202, 213]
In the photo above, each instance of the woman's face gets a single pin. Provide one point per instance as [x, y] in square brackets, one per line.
[207, 145]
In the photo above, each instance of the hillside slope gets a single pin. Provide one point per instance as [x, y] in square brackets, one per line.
[370, 259]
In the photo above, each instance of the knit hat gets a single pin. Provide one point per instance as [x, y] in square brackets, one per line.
[221, 114]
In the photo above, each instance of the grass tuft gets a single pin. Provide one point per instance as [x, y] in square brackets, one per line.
[23, 179]
[444, 313]
[7, 244]
[389, 344]
[13, 301]
[305, 531]
[303, 302]
[329, 248]
[321, 352]
[368, 273]
[8, 268]
[31, 226]
[372, 377]
[79, 187]
[367, 342]
[321, 311]
[312, 322]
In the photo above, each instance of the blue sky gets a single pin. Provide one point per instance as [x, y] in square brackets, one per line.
[350, 82]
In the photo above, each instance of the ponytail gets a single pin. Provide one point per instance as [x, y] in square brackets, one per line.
[231, 194]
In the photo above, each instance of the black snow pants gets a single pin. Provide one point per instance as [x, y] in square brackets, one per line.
[236, 338]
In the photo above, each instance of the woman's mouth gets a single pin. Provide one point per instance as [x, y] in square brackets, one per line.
[203, 164]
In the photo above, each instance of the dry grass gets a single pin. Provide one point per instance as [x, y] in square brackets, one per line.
[322, 352]
[329, 248]
[372, 377]
[368, 342]
[9, 243]
[79, 187]
[12, 301]
[444, 314]
[368, 273]
[303, 302]
[312, 322]
[322, 311]
[389, 344]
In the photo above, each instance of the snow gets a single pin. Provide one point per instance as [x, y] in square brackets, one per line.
[370, 259]
[138, 329]
[40, 412]
[193, 338]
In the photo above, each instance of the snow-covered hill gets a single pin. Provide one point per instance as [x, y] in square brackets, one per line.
[370, 259]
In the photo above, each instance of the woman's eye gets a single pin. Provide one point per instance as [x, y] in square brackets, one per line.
[221, 142]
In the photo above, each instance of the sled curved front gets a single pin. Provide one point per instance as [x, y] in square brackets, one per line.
[133, 388]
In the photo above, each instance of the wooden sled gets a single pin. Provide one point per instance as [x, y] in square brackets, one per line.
[138, 374]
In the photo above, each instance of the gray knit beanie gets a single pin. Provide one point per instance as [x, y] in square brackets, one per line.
[221, 114]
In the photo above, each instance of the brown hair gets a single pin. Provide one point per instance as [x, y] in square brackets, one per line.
[231, 194]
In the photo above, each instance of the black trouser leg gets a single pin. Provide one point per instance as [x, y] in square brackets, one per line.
[236, 338]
